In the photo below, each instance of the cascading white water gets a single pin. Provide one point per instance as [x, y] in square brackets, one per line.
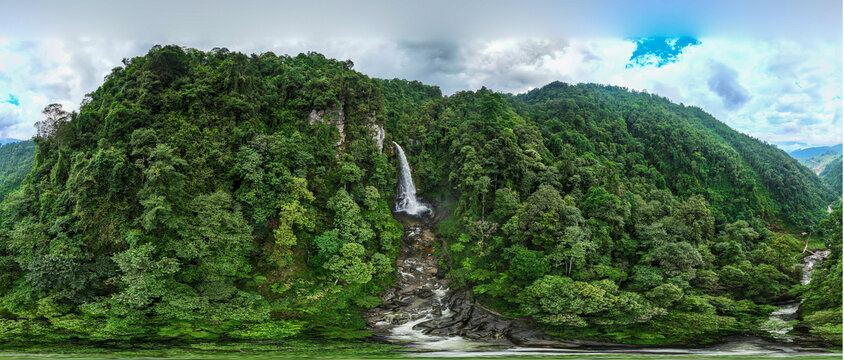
[416, 272]
[809, 264]
[781, 322]
[406, 200]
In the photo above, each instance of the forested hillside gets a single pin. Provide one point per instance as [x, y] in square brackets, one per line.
[15, 163]
[821, 309]
[819, 159]
[815, 151]
[831, 176]
[820, 163]
[199, 195]
[215, 195]
[611, 214]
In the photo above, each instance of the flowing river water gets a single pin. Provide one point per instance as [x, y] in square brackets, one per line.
[422, 313]
[780, 324]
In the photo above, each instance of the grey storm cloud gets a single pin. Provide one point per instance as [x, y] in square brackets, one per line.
[6, 121]
[451, 65]
[724, 82]
[434, 56]
[514, 67]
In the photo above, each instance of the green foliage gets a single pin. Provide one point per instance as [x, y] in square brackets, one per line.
[826, 324]
[598, 185]
[192, 198]
[350, 266]
[821, 310]
[561, 301]
[527, 264]
[831, 176]
[15, 163]
[820, 160]
[215, 195]
[665, 295]
[267, 331]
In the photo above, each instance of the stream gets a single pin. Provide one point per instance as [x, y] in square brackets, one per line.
[780, 323]
[423, 314]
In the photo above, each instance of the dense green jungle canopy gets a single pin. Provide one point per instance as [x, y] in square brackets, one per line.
[215, 195]
[831, 176]
[15, 163]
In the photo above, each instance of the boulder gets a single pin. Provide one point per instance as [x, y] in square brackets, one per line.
[424, 293]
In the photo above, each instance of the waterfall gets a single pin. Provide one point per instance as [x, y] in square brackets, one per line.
[781, 322]
[406, 197]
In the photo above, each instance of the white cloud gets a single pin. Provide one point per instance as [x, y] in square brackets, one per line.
[792, 90]
[42, 72]
[778, 91]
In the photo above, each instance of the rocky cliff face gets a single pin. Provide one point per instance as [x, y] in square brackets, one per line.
[334, 117]
[337, 118]
[376, 131]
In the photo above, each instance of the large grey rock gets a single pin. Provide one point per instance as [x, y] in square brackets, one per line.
[334, 117]
[424, 293]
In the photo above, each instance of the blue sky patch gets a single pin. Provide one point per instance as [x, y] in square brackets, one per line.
[658, 51]
[13, 100]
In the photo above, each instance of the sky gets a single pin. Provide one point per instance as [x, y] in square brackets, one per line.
[770, 69]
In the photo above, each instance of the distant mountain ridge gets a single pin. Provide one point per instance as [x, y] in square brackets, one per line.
[819, 158]
[9, 141]
[815, 151]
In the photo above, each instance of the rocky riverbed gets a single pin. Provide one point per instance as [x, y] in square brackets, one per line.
[422, 312]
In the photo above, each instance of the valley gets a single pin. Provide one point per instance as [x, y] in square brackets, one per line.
[220, 198]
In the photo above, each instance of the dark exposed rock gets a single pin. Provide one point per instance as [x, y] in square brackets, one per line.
[405, 301]
[424, 293]
[421, 292]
